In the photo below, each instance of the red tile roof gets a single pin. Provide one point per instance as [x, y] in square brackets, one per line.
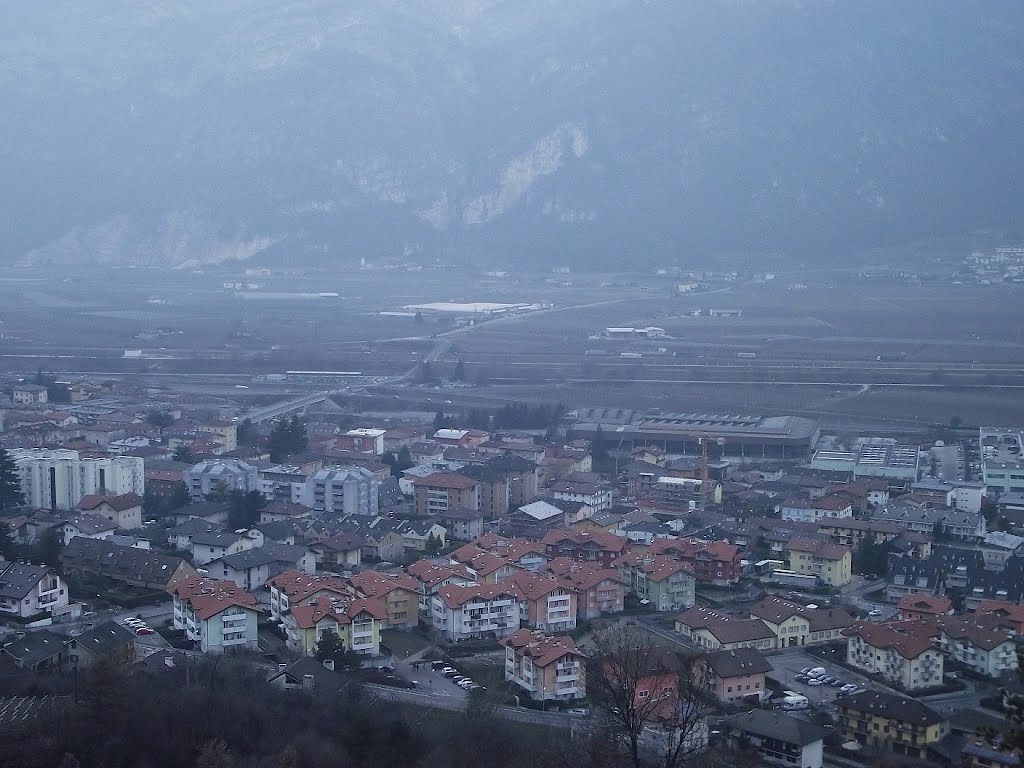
[936, 606]
[208, 597]
[824, 550]
[543, 650]
[298, 585]
[118, 503]
[342, 610]
[454, 596]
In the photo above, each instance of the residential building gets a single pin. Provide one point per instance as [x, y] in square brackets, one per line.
[432, 576]
[462, 523]
[1002, 613]
[398, 593]
[712, 630]
[662, 581]
[738, 674]
[36, 651]
[421, 535]
[485, 566]
[286, 511]
[86, 559]
[534, 519]
[180, 536]
[438, 492]
[217, 615]
[850, 532]
[828, 561]
[711, 562]
[655, 685]
[86, 525]
[357, 622]
[986, 649]
[494, 489]
[124, 510]
[585, 546]
[60, 479]
[215, 544]
[595, 495]
[528, 555]
[813, 510]
[110, 642]
[545, 603]
[223, 432]
[523, 477]
[283, 483]
[476, 611]
[953, 523]
[911, 607]
[28, 590]
[215, 512]
[230, 475]
[795, 624]
[342, 551]
[362, 440]
[890, 723]
[902, 653]
[599, 591]
[546, 667]
[342, 491]
[777, 737]
[29, 394]
[294, 587]
[251, 569]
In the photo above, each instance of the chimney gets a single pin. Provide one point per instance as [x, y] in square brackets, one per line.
[329, 663]
[282, 667]
[307, 682]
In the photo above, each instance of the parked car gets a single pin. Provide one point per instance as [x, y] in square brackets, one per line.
[802, 678]
[386, 668]
[814, 681]
[837, 683]
[144, 631]
[848, 688]
[438, 665]
[806, 670]
[818, 672]
[874, 612]
[449, 671]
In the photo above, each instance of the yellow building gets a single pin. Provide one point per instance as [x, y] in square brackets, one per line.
[891, 723]
[356, 622]
[828, 561]
[784, 619]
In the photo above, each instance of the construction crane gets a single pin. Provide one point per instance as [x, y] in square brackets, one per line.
[703, 439]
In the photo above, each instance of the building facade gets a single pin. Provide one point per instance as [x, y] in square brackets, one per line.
[546, 667]
[209, 476]
[60, 479]
[342, 491]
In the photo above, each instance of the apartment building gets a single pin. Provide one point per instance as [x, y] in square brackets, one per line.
[967, 526]
[342, 491]
[813, 510]
[494, 489]
[911, 607]
[585, 546]
[60, 479]
[28, 590]
[890, 723]
[211, 545]
[217, 615]
[599, 591]
[815, 557]
[475, 611]
[666, 583]
[711, 562]
[1003, 613]
[902, 653]
[593, 494]
[546, 604]
[795, 624]
[438, 492]
[987, 649]
[230, 475]
[124, 510]
[485, 566]
[294, 587]
[399, 594]
[434, 576]
[738, 674]
[547, 668]
[357, 623]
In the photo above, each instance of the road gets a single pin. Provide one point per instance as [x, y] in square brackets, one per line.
[278, 409]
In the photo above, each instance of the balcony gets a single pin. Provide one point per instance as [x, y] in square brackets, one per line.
[567, 678]
[567, 691]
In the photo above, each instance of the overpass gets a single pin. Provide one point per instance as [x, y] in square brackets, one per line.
[280, 409]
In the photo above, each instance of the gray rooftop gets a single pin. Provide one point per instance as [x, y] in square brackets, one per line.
[776, 725]
[18, 579]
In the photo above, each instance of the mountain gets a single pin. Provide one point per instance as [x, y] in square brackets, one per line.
[522, 132]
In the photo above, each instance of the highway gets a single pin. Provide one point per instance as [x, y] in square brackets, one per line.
[279, 409]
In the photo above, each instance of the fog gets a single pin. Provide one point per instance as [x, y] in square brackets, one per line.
[598, 133]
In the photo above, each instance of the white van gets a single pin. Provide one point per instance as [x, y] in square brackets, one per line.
[817, 672]
[795, 702]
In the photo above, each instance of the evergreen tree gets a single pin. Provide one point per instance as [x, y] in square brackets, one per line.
[298, 440]
[598, 446]
[244, 511]
[245, 434]
[11, 496]
[459, 374]
[404, 460]
[159, 419]
[9, 550]
[183, 453]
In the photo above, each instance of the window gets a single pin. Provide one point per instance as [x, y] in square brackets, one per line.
[644, 694]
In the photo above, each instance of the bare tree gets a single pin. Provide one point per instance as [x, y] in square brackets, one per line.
[655, 701]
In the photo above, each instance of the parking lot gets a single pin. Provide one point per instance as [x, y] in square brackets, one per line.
[788, 665]
[430, 681]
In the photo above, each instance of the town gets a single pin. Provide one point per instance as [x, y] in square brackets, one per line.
[680, 584]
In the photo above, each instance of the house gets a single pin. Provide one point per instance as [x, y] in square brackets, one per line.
[109, 641]
[217, 615]
[462, 523]
[251, 569]
[419, 535]
[180, 536]
[528, 555]
[207, 547]
[277, 532]
[36, 651]
[912, 607]
[399, 593]
[738, 674]
[294, 587]
[545, 602]
[124, 510]
[342, 550]
[29, 394]
[967, 526]
[215, 512]
[546, 667]
[600, 591]
[28, 590]
[713, 630]
[584, 546]
[476, 611]
[438, 492]
[91, 558]
[86, 525]
[664, 582]
[308, 674]
[655, 684]
[777, 737]
[812, 510]
[828, 561]
[888, 722]
[902, 653]
[356, 621]
[283, 510]
[485, 566]
[594, 494]
[1005, 613]
[381, 542]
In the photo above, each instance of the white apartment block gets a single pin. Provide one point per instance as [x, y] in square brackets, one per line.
[342, 491]
[908, 660]
[474, 612]
[208, 476]
[60, 479]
